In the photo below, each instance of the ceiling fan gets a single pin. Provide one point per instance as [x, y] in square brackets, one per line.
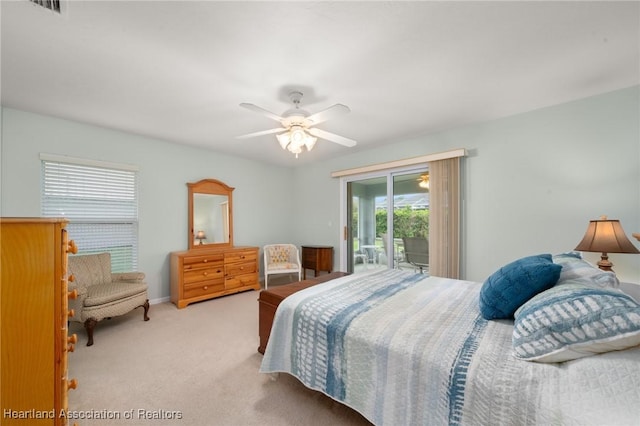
[423, 181]
[297, 125]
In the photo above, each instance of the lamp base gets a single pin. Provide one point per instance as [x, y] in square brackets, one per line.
[604, 263]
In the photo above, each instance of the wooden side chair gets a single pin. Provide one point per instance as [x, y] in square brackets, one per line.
[281, 259]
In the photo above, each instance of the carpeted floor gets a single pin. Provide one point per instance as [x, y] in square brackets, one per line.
[192, 366]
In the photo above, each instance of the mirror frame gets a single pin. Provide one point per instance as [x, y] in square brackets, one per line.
[213, 187]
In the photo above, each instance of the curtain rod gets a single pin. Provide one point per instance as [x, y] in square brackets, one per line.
[460, 152]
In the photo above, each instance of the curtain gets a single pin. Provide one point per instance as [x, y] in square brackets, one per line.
[444, 218]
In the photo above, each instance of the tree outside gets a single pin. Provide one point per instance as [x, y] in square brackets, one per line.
[407, 222]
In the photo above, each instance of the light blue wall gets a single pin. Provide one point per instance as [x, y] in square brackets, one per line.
[165, 168]
[532, 182]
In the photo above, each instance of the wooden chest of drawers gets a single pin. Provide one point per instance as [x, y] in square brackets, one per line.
[270, 299]
[318, 258]
[203, 274]
[34, 311]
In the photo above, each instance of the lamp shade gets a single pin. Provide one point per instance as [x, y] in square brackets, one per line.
[606, 236]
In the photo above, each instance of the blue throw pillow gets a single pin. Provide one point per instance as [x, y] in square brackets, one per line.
[574, 320]
[513, 284]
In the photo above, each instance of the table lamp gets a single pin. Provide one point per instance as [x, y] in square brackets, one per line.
[200, 236]
[606, 236]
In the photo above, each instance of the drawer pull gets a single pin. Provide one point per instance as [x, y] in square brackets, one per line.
[205, 273]
[71, 341]
[72, 247]
[72, 384]
[205, 287]
[205, 261]
[73, 294]
[71, 278]
[71, 313]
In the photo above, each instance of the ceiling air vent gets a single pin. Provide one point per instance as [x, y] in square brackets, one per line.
[52, 5]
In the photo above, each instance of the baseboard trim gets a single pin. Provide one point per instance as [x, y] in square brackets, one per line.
[160, 300]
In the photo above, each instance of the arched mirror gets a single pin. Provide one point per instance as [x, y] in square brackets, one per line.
[210, 214]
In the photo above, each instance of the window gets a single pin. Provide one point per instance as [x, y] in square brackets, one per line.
[100, 200]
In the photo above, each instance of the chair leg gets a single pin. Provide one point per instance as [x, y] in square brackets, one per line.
[145, 305]
[89, 325]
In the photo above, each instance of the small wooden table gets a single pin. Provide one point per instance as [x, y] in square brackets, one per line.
[318, 258]
[270, 299]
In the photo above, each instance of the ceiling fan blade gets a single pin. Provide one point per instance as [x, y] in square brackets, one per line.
[261, 133]
[328, 113]
[332, 137]
[262, 111]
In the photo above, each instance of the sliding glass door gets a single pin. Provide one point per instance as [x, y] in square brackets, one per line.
[362, 230]
[383, 211]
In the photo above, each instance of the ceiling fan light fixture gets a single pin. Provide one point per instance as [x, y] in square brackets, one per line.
[295, 139]
[298, 125]
[297, 135]
[310, 142]
[283, 140]
[424, 181]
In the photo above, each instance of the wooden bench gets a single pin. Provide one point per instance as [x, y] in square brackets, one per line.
[270, 299]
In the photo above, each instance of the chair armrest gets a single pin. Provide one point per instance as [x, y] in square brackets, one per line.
[127, 276]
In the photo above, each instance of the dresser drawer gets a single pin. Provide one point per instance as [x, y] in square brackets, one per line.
[240, 268]
[199, 275]
[203, 288]
[205, 261]
[309, 257]
[241, 256]
[241, 280]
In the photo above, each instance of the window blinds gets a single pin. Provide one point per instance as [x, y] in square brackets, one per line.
[444, 218]
[101, 204]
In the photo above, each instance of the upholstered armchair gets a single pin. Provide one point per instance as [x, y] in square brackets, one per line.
[281, 259]
[102, 294]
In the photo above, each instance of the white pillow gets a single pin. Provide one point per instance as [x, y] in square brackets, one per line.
[574, 320]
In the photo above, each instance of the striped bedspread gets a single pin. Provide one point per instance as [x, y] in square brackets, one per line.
[406, 349]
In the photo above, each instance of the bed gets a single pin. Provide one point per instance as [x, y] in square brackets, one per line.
[407, 349]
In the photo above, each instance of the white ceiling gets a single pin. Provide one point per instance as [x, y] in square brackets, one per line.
[178, 71]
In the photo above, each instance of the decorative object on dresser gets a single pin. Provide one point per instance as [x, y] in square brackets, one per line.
[270, 299]
[606, 236]
[281, 259]
[34, 339]
[318, 258]
[103, 294]
[214, 268]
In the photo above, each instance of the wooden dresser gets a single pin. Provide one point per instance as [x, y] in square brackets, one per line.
[34, 339]
[202, 274]
[318, 258]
